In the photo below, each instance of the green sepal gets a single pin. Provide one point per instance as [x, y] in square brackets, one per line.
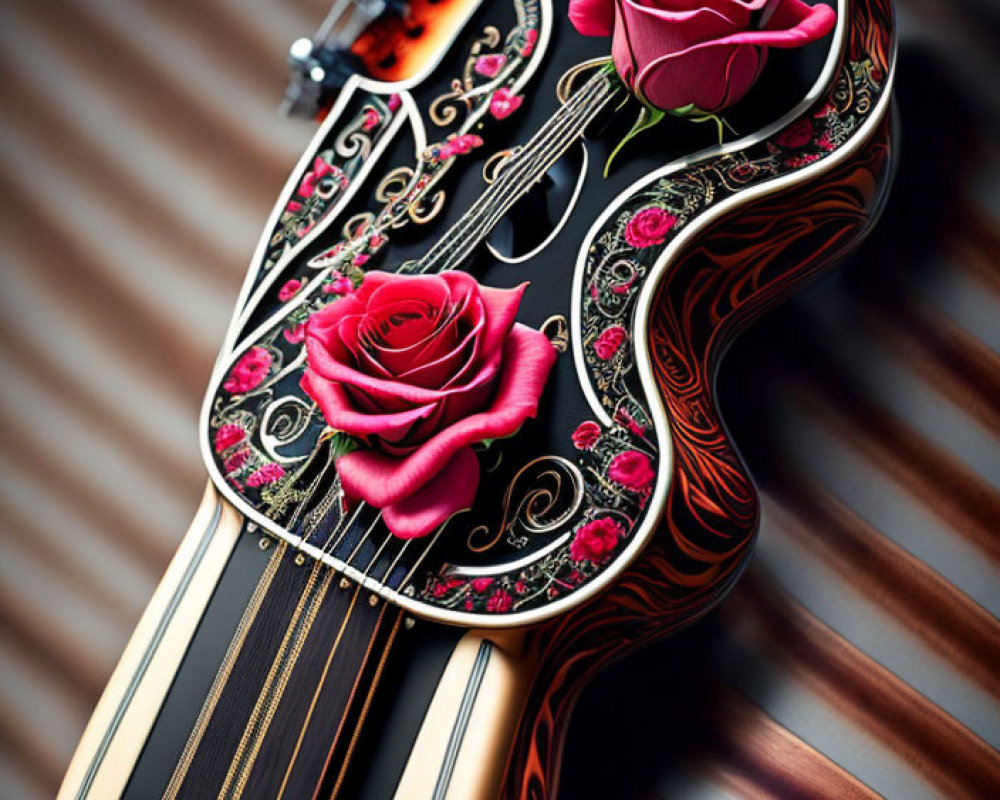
[694, 114]
[340, 443]
[648, 117]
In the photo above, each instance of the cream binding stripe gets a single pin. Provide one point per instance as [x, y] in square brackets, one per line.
[461, 749]
[124, 716]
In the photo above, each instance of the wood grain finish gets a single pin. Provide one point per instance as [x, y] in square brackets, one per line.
[170, 169]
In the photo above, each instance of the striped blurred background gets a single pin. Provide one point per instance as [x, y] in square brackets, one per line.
[139, 155]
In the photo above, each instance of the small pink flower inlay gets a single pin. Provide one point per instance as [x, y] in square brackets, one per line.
[372, 119]
[610, 339]
[489, 66]
[632, 470]
[500, 602]
[530, 40]
[250, 371]
[649, 226]
[229, 435]
[295, 334]
[236, 460]
[796, 135]
[586, 435]
[265, 475]
[289, 290]
[595, 540]
[504, 103]
[338, 284]
[460, 145]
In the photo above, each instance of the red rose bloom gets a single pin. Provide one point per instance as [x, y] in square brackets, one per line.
[228, 435]
[676, 53]
[269, 473]
[632, 470]
[648, 227]
[796, 135]
[595, 540]
[500, 602]
[289, 290]
[236, 460]
[586, 434]
[607, 344]
[490, 65]
[250, 371]
[421, 367]
[480, 585]
[504, 102]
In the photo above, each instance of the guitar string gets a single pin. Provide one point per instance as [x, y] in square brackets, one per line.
[531, 161]
[521, 172]
[521, 162]
[512, 191]
[534, 169]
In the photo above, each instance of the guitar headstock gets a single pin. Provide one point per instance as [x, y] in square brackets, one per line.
[627, 437]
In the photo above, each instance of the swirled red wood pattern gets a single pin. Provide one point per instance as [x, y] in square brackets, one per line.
[743, 264]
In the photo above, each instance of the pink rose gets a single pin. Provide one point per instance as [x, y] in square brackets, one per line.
[586, 435]
[295, 334]
[480, 585]
[394, 102]
[632, 470]
[530, 40]
[236, 460]
[500, 602]
[797, 134]
[372, 118]
[228, 435]
[608, 342]
[595, 540]
[675, 54]
[421, 367]
[267, 474]
[489, 66]
[250, 371]
[648, 227]
[504, 102]
[338, 284]
[289, 290]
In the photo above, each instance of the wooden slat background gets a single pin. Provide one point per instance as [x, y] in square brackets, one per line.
[139, 155]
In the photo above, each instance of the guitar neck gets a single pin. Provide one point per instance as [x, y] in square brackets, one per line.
[321, 690]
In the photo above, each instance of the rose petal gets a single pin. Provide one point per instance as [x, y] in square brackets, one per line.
[592, 17]
[383, 480]
[711, 76]
[453, 489]
[326, 352]
[339, 412]
[678, 56]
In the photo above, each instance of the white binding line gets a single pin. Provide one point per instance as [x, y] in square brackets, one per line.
[658, 499]
[249, 297]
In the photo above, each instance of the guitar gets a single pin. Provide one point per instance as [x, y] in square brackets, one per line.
[290, 626]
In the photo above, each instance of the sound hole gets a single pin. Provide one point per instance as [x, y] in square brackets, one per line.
[543, 210]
